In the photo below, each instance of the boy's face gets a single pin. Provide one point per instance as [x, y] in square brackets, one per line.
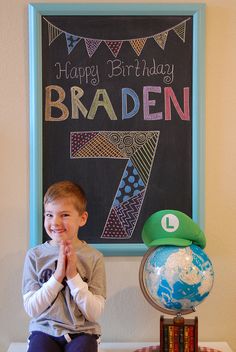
[62, 220]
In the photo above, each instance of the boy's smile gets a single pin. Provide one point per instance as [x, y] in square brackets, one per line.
[62, 220]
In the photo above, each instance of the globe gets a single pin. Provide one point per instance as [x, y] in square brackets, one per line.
[176, 279]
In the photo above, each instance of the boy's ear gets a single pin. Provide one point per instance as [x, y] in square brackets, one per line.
[84, 218]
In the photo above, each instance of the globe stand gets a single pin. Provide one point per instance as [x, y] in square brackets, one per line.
[156, 274]
[178, 334]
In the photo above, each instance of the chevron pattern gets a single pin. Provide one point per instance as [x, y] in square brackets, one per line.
[128, 212]
[123, 217]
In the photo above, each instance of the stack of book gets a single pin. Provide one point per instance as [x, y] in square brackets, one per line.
[178, 335]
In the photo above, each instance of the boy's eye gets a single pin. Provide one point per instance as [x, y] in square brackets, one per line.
[47, 215]
[65, 215]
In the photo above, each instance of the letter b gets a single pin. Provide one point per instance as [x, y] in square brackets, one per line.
[49, 104]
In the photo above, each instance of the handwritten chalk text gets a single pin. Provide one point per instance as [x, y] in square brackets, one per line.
[141, 68]
[84, 75]
[56, 109]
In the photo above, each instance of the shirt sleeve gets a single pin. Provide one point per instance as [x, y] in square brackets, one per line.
[90, 305]
[37, 298]
[90, 297]
[36, 302]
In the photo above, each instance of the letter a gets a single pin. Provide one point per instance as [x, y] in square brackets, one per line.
[105, 102]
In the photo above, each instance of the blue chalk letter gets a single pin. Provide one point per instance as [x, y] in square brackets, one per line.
[133, 95]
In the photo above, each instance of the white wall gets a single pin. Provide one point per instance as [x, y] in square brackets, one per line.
[128, 316]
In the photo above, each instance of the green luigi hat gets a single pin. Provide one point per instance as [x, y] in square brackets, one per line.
[172, 227]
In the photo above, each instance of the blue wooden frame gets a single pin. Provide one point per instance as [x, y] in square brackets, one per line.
[36, 11]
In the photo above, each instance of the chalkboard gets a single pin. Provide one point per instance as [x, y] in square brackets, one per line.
[117, 117]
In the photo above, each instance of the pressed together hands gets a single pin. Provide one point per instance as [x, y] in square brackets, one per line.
[67, 259]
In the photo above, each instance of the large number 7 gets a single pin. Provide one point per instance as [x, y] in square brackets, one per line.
[139, 148]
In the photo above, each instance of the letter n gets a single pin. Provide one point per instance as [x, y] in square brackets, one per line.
[170, 96]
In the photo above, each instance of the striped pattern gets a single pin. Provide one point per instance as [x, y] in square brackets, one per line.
[144, 157]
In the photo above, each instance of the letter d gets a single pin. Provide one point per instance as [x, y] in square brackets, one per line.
[133, 95]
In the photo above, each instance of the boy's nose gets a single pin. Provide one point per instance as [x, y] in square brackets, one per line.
[56, 221]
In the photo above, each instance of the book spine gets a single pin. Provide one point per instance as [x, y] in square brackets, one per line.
[176, 338]
[181, 338]
[165, 339]
[186, 339]
[171, 338]
[191, 338]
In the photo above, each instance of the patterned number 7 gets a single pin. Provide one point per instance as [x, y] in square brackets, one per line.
[139, 149]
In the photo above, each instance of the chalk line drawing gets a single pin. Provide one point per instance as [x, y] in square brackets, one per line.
[139, 149]
[114, 45]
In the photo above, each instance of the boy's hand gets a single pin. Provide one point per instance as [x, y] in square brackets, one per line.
[71, 268]
[60, 272]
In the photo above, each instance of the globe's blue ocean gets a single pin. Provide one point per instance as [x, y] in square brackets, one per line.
[178, 278]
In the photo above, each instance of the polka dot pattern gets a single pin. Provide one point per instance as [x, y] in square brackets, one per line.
[131, 184]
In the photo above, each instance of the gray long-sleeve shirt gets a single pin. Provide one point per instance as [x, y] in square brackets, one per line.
[71, 307]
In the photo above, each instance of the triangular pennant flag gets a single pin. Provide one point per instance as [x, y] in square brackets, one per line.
[180, 30]
[161, 39]
[92, 45]
[71, 41]
[138, 44]
[53, 33]
[114, 46]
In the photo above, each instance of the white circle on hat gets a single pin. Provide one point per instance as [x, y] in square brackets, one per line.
[170, 222]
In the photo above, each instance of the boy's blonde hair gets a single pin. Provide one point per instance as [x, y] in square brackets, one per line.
[67, 189]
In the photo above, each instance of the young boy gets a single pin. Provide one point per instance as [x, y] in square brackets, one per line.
[64, 278]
